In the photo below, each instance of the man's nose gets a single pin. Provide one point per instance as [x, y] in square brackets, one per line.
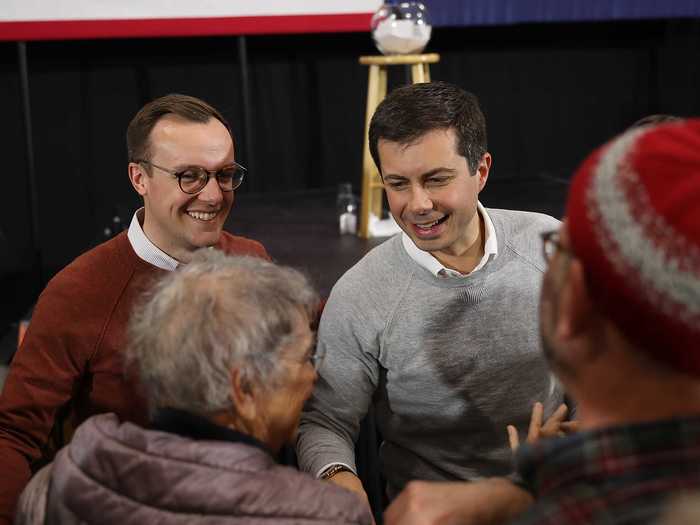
[420, 201]
[212, 192]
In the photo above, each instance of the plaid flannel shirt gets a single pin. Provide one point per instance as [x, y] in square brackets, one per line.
[617, 475]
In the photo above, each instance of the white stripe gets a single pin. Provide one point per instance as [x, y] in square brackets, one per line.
[26, 10]
[668, 280]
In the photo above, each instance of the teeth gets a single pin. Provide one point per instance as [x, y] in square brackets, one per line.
[427, 226]
[201, 215]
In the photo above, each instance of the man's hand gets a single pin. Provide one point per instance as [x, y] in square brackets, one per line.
[351, 482]
[486, 502]
[554, 426]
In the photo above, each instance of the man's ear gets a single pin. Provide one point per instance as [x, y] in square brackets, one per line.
[243, 396]
[575, 305]
[482, 171]
[138, 178]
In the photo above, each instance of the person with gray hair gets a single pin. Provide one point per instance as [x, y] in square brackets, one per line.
[225, 354]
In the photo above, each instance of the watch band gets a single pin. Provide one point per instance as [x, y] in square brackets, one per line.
[333, 470]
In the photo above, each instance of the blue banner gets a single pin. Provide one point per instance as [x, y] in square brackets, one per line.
[504, 12]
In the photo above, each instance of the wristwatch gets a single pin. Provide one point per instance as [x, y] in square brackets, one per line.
[333, 470]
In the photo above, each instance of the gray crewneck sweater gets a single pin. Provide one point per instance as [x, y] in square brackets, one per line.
[448, 362]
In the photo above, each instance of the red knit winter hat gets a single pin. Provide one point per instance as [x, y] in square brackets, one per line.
[634, 222]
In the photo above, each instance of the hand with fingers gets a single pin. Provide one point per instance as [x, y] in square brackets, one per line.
[556, 425]
[491, 501]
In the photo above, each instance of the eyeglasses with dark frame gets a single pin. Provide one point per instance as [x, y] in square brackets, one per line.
[551, 243]
[194, 179]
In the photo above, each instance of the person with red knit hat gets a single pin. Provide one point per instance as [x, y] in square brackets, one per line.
[620, 325]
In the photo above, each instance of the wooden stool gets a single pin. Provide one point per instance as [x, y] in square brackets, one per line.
[372, 186]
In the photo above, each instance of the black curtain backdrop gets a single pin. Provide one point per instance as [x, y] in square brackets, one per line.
[551, 92]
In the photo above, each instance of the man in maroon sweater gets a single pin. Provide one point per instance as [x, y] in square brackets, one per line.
[181, 161]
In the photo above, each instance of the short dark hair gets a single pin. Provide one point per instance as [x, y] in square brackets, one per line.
[409, 112]
[189, 108]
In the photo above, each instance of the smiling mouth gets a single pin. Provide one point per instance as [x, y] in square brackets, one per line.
[203, 215]
[430, 225]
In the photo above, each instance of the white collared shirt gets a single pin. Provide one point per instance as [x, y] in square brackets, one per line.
[145, 249]
[430, 263]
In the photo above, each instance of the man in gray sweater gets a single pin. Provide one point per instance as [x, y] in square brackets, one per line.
[437, 326]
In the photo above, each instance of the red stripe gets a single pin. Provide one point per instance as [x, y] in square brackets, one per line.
[158, 27]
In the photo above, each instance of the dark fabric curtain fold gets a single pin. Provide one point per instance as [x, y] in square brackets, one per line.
[551, 92]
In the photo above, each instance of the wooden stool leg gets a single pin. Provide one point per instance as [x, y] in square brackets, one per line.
[371, 182]
[377, 184]
[420, 73]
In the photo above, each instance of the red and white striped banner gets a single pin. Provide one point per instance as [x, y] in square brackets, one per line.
[79, 19]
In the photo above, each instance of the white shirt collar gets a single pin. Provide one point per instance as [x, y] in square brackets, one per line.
[430, 263]
[145, 249]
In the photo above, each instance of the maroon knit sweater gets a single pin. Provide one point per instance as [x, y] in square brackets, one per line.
[70, 357]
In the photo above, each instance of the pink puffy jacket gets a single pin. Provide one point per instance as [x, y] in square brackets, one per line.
[121, 473]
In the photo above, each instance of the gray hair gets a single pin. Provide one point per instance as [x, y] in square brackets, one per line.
[208, 317]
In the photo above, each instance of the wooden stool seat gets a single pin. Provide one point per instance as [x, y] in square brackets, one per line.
[372, 186]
